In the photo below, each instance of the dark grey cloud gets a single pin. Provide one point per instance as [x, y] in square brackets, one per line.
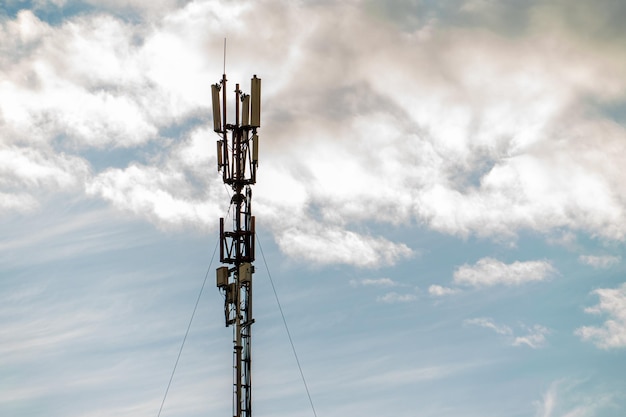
[509, 17]
[595, 21]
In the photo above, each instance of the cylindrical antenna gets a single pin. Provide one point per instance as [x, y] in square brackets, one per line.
[224, 56]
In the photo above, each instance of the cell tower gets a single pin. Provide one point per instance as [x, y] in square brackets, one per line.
[237, 159]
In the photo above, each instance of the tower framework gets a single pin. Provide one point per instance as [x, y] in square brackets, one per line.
[237, 159]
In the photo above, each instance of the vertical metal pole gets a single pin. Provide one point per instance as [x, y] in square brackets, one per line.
[237, 197]
[225, 136]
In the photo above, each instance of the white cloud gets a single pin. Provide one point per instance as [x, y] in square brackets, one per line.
[98, 81]
[174, 190]
[27, 172]
[514, 152]
[600, 261]
[488, 272]
[376, 282]
[489, 170]
[327, 244]
[160, 196]
[17, 202]
[488, 324]
[566, 239]
[529, 191]
[394, 297]
[521, 177]
[81, 80]
[461, 131]
[25, 167]
[612, 333]
[439, 291]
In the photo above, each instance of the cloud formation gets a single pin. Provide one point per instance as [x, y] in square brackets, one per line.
[600, 261]
[440, 291]
[394, 297]
[612, 333]
[488, 272]
[535, 337]
[488, 324]
[570, 398]
[172, 191]
[470, 132]
[376, 282]
[386, 124]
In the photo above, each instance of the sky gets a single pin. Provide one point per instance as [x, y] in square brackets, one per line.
[440, 207]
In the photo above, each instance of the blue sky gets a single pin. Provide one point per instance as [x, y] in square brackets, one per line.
[440, 202]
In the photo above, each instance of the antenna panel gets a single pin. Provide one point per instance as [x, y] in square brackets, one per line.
[231, 293]
[245, 111]
[245, 272]
[222, 276]
[255, 148]
[255, 111]
[217, 117]
[220, 160]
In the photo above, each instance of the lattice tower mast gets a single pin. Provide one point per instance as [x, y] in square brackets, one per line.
[237, 159]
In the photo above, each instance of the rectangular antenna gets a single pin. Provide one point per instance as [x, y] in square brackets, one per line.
[255, 91]
[255, 148]
[220, 161]
[245, 111]
[217, 117]
[222, 276]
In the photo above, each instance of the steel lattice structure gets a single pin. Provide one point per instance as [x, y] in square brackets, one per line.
[237, 159]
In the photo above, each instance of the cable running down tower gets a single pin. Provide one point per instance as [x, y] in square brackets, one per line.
[237, 159]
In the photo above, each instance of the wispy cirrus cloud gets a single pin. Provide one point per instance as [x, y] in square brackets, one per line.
[413, 375]
[390, 297]
[534, 337]
[568, 398]
[488, 324]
